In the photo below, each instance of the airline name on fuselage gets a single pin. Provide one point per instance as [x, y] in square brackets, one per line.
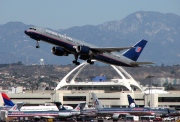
[59, 35]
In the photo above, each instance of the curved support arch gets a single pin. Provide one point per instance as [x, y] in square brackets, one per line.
[72, 81]
[132, 81]
[122, 76]
[126, 82]
[63, 81]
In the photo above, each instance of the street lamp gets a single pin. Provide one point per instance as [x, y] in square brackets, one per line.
[150, 86]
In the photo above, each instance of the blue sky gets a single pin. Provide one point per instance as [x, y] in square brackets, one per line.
[62, 14]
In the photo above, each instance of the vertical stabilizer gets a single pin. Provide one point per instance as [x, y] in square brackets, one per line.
[7, 100]
[80, 106]
[132, 104]
[59, 106]
[97, 103]
[17, 106]
[135, 52]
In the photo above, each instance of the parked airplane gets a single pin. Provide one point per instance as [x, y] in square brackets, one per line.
[66, 45]
[8, 104]
[163, 112]
[38, 115]
[117, 113]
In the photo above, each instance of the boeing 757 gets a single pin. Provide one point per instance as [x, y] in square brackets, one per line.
[65, 45]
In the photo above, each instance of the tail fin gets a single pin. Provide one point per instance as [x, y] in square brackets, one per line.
[7, 100]
[17, 106]
[97, 103]
[80, 106]
[59, 106]
[132, 104]
[135, 52]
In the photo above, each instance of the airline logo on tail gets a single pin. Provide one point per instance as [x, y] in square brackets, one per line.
[138, 49]
[96, 102]
[7, 100]
[132, 105]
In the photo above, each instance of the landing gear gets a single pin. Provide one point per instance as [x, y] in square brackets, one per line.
[90, 62]
[75, 61]
[37, 44]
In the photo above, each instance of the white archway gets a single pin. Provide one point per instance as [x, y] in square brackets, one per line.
[127, 82]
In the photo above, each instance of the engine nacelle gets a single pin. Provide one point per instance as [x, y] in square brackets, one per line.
[37, 118]
[117, 116]
[59, 51]
[65, 114]
[83, 50]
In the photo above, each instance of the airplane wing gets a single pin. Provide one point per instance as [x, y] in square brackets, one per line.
[45, 117]
[141, 63]
[109, 49]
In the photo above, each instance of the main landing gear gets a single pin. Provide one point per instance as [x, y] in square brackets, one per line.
[90, 62]
[37, 44]
[75, 61]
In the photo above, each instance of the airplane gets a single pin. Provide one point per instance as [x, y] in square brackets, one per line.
[117, 113]
[38, 115]
[66, 45]
[132, 104]
[9, 104]
[159, 111]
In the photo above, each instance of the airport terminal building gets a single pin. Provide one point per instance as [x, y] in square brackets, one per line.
[111, 93]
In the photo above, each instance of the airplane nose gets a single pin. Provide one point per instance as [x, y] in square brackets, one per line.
[26, 32]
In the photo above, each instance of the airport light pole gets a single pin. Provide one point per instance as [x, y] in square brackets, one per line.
[150, 88]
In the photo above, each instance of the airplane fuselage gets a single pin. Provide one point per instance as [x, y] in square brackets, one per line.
[131, 111]
[69, 45]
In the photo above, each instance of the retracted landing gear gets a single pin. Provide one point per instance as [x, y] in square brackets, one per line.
[37, 44]
[90, 62]
[75, 61]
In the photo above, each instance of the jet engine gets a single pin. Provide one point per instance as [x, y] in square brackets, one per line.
[65, 114]
[117, 116]
[59, 51]
[83, 50]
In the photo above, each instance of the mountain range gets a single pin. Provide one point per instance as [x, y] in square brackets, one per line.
[161, 30]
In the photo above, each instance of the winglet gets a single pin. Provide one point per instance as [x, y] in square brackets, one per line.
[97, 103]
[132, 104]
[135, 52]
[7, 100]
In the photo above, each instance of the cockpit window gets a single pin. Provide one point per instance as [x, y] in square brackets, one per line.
[32, 28]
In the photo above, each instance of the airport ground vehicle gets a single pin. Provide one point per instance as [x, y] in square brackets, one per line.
[147, 118]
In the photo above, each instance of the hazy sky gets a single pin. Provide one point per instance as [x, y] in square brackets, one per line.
[62, 14]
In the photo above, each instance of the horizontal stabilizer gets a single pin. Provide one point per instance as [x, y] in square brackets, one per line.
[141, 63]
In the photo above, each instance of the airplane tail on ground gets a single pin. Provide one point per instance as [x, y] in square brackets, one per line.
[135, 52]
[97, 103]
[80, 106]
[59, 106]
[7, 100]
[17, 106]
[132, 104]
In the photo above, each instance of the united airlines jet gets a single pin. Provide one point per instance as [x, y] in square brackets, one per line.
[66, 45]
